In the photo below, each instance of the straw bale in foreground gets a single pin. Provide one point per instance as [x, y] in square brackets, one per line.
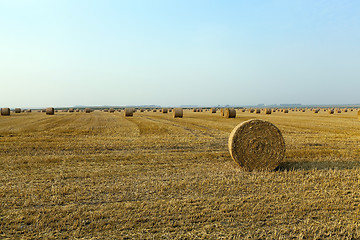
[50, 111]
[5, 111]
[257, 145]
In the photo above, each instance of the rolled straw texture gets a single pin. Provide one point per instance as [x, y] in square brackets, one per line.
[257, 145]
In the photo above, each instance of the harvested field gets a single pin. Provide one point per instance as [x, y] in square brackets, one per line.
[152, 176]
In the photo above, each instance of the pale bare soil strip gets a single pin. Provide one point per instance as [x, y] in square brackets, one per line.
[101, 175]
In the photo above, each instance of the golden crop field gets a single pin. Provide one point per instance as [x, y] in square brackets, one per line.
[100, 175]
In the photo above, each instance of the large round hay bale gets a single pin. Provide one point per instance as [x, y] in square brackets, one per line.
[243, 110]
[338, 111]
[257, 111]
[50, 111]
[87, 110]
[71, 110]
[170, 110]
[257, 145]
[77, 110]
[178, 113]
[286, 111]
[111, 110]
[28, 110]
[164, 110]
[251, 110]
[331, 111]
[229, 113]
[154, 110]
[268, 111]
[316, 110]
[213, 110]
[129, 112]
[5, 111]
[17, 110]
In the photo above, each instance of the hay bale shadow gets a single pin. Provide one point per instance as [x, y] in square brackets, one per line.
[322, 165]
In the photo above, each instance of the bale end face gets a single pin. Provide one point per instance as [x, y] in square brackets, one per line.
[178, 113]
[229, 113]
[129, 112]
[5, 111]
[257, 145]
[50, 111]
[17, 110]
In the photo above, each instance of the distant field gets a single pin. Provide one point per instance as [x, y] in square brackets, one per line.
[102, 176]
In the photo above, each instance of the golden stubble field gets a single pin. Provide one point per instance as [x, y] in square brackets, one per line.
[104, 176]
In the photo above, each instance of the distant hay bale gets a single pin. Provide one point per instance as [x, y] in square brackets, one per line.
[251, 110]
[170, 110]
[43, 110]
[345, 110]
[164, 110]
[77, 110]
[141, 110]
[17, 110]
[257, 111]
[5, 111]
[316, 110]
[331, 111]
[87, 110]
[129, 112]
[178, 113]
[106, 110]
[213, 110]
[257, 145]
[338, 111]
[229, 113]
[50, 111]
[286, 111]
[359, 114]
[111, 110]
[243, 110]
[28, 110]
[268, 111]
[71, 110]
[154, 110]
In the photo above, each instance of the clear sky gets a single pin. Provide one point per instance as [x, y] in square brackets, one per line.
[178, 52]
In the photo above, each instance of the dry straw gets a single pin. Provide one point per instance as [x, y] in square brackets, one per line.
[178, 113]
[50, 111]
[257, 145]
[229, 113]
[129, 112]
[5, 111]
[17, 110]
[359, 114]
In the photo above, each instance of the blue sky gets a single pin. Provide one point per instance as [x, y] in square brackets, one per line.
[170, 53]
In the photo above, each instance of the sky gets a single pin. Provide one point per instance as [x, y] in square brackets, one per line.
[64, 53]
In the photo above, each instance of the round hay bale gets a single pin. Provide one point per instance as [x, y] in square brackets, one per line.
[129, 112]
[178, 113]
[257, 145]
[71, 110]
[17, 110]
[77, 110]
[243, 110]
[339, 111]
[316, 110]
[50, 111]
[331, 111]
[5, 111]
[257, 111]
[28, 110]
[170, 110]
[154, 110]
[359, 114]
[268, 111]
[87, 110]
[229, 113]
[164, 110]
[213, 110]
[286, 111]
[111, 110]
[252, 110]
